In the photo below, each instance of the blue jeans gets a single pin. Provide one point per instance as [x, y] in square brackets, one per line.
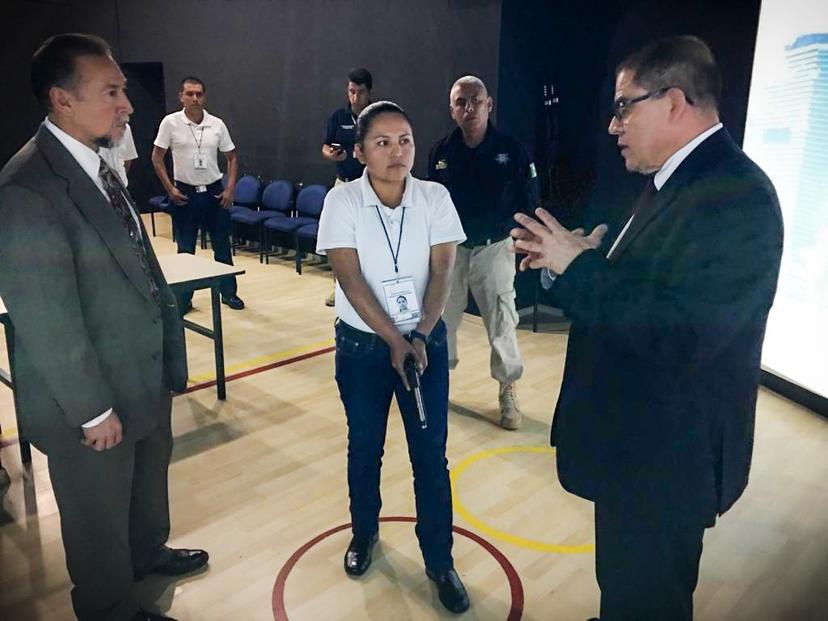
[204, 211]
[367, 381]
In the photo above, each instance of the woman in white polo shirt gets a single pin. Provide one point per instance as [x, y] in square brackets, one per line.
[389, 235]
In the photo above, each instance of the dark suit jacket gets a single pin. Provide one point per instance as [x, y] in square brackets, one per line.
[88, 335]
[658, 398]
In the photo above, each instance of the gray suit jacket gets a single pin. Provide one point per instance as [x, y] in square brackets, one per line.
[88, 335]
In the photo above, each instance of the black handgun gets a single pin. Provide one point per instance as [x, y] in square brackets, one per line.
[413, 377]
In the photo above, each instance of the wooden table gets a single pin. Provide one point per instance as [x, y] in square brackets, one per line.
[183, 272]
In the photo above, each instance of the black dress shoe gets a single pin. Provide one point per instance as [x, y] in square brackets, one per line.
[143, 615]
[358, 557]
[177, 562]
[235, 302]
[451, 590]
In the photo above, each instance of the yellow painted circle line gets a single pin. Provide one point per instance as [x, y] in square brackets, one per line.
[482, 526]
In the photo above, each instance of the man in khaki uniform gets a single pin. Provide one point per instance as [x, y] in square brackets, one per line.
[490, 176]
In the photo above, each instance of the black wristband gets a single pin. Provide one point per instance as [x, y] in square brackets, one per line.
[418, 335]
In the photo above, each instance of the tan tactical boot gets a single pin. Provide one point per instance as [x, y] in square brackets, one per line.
[331, 299]
[510, 416]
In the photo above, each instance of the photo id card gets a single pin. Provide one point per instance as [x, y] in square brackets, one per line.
[401, 300]
[199, 161]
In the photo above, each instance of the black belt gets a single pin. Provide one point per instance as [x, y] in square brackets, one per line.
[486, 242]
[186, 186]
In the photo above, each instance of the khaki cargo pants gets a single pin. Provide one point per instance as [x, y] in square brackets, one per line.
[489, 272]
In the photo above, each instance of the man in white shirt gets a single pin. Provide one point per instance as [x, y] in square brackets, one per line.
[120, 155]
[654, 422]
[195, 138]
[98, 341]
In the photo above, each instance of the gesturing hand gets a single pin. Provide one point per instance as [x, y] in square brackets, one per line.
[550, 245]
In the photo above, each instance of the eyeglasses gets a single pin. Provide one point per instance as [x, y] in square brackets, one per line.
[621, 107]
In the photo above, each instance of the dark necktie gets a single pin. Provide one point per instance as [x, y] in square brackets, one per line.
[117, 197]
[644, 201]
[646, 196]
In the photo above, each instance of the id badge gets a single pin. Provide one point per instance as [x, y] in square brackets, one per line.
[199, 161]
[401, 300]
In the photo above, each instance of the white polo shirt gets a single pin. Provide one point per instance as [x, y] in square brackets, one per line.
[122, 152]
[351, 219]
[185, 139]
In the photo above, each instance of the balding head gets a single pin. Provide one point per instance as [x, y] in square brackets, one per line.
[469, 80]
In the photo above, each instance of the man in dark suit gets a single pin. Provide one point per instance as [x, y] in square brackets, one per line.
[99, 344]
[654, 422]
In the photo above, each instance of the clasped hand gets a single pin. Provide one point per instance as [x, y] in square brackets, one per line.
[401, 349]
[546, 243]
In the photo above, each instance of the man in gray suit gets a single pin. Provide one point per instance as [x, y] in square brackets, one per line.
[98, 339]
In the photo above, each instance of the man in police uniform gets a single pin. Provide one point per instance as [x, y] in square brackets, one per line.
[490, 177]
[196, 137]
[339, 136]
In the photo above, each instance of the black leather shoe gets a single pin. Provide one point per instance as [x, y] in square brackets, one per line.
[143, 615]
[235, 302]
[451, 590]
[358, 557]
[178, 562]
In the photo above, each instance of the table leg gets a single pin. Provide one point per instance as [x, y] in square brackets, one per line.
[218, 341]
[25, 447]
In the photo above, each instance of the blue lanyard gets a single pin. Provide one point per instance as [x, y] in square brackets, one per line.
[388, 238]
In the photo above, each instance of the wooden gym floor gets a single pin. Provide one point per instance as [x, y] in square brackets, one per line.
[259, 481]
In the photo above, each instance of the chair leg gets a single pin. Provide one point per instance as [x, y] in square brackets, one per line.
[152, 219]
[298, 256]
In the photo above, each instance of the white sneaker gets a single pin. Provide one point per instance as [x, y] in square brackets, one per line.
[510, 415]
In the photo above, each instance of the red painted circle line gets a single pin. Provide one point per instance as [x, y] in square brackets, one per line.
[515, 586]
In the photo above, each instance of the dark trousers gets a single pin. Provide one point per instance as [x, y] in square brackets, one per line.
[647, 568]
[367, 382]
[115, 519]
[203, 211]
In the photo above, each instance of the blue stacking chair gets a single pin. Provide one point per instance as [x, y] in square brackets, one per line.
[246, 198]
[276, 202]
[306, 234]
[283, 231]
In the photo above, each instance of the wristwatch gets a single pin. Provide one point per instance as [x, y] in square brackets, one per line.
[418, 335]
